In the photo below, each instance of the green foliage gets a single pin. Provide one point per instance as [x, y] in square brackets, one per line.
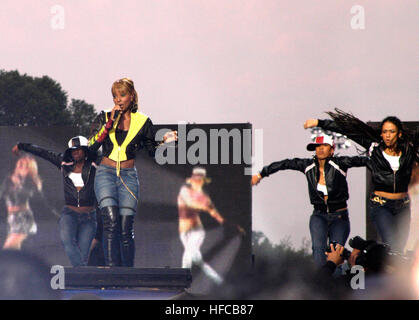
[40, 101]
[82, 116]
[263, 248]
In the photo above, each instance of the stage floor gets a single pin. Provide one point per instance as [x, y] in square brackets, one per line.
[122, 294]
[124, 283]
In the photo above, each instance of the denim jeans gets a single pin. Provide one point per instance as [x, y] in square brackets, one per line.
[392, 220]
[334, 226]
[120, 192]
[112, 192]
[77, 231]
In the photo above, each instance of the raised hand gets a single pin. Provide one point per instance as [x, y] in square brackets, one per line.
[15, 150]
[256, 179]
[170, 136]
[311, 123]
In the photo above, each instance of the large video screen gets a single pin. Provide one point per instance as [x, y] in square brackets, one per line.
[218, 150]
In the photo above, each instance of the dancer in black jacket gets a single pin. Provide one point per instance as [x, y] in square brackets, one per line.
[78, 217]
[328, 190]
[392, 154]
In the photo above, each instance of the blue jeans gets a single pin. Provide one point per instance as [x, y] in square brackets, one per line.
[334, 226]
[392, 220]
[117, 198]
[77, 231]
[111, 192]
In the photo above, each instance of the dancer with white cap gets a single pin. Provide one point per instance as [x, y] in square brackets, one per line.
[78, 217]
[328, 191]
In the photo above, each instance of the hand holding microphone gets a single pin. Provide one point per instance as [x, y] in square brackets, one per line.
[112, 122]
[116, 113]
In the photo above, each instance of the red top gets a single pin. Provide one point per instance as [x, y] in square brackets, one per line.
[191, 202]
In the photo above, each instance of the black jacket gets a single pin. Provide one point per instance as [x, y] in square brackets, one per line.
[86, 196]
[335, 175]
[140, 134]
[383, 176]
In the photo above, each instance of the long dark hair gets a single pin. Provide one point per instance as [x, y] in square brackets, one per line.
[352, 126]
[401, 140]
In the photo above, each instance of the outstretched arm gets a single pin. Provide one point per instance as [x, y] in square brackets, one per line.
[331, 125]
[324, 124]
[356, 161]
[221, 220]
[149, 138]
[287, 164]
[53, 157]
[215, 214]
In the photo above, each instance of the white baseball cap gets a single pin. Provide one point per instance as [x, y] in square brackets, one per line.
[321, 139]
[77, 142]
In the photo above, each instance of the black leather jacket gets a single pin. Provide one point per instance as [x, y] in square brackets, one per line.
[383, 176]
[335, 169]
[140, 134]
[86, 196]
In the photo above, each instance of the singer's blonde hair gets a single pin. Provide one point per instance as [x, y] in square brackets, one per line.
[30, 164]
[126, 85]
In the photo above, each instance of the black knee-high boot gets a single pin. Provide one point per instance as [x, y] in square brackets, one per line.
[127, 241]
[111, 239]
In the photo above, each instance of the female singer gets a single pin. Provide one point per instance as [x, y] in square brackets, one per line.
[116, 182]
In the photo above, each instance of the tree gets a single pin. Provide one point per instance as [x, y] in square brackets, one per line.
[82, 116]
[34, 101]
[29, 101]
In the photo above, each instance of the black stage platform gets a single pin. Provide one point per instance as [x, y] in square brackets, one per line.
[125, 283]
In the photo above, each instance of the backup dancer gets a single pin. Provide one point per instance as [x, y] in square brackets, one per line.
[78, 216]
[393, 152]
[328, 191]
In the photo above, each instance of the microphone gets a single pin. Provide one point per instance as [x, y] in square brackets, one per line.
[116, 116]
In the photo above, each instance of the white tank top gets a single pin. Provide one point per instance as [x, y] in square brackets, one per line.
[322, 188]
[77, 179]
[394, 161]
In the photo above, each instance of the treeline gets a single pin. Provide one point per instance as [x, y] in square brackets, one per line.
[41, 101]
[263, 248]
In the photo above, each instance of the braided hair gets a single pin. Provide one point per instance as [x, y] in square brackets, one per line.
[352, 126]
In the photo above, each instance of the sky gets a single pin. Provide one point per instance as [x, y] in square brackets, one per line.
[273, 63]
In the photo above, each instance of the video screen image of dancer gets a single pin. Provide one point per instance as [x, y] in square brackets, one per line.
[17, 190]
[192, 200]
